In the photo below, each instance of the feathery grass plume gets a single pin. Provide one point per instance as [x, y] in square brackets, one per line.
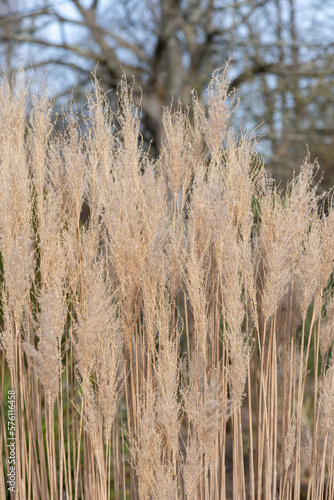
[289, 442]
[129, 142]
[51, 298]
[196, 276]
[242, 176]
[214, 126]
[327, 240]
[306, 443]
[285, 220]
[239, 181]
[167, 380]
[39, 142]
[46, 359]
[174, 262]
[197, 256]
[16, 239]
[308, 281]
[202, 222]
[239, 353]
[326, 266]
[275, 247]
[123, 218]
[72, 166]
[233, 306]
[326, 424]
[94, 311]
[109, 371]
[275, 252]
[92, 421]
[237, 342]
[205, 403]
[97, 352]
[206, 408]
[66, 178]
[176, 153]
[145, 446]
[99, 148]
[327, 330]
[8, 335]
[166, 486]
[192, 470]
[326, 399]
[156, 238]
[308, 265]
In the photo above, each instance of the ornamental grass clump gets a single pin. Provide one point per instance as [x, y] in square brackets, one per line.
[167, 323]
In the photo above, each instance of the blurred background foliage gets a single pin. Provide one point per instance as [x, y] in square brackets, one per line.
[282, 61]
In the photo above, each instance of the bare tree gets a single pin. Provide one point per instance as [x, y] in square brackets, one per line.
[283, 57]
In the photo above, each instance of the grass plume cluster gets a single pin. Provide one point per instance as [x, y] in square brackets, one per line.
[176, 342]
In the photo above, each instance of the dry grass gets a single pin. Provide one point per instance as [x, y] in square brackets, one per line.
[177, 343]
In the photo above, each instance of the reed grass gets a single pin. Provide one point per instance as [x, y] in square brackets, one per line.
[177, 341]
